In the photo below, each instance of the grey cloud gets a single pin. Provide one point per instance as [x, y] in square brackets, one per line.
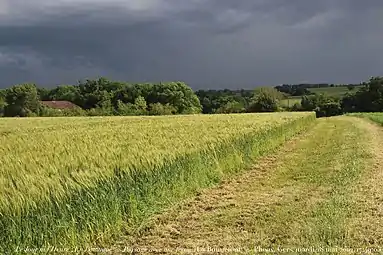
[207, 43]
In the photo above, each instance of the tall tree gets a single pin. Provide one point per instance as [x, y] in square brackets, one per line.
[22, 100]
[367, 99]
[266, 99]
[2, 101]
[64, 93]
[177, 94]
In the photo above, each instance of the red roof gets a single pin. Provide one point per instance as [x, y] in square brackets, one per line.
[59, 104]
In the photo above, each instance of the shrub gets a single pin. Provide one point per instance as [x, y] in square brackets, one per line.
[265, 100]
[323, 105]
[138, 108]
[160, 109]
[22, 101]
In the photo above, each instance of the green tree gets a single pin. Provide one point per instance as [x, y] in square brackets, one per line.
[140, 105]
[265, 99]
[367, 99]
[2, 105]
[323, 105]
[43, 94]
[22, 100]
[93, 93]
[231, 107]
[177, 94]
[2, 101]
[160, 109]
[138, 108]
[64, 93]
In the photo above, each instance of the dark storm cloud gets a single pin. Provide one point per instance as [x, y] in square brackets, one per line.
[207, 43]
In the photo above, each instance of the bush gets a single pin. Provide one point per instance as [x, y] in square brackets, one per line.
[296, 107]
[2, 106]
[323, 105]
[50, 112]
[22, 101]
[138, 108]
[160, 109]
[265, 100]
[231, 107]
[367, 99]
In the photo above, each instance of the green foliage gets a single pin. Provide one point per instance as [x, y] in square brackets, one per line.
[102, 97]
[44, 94]
[160, 109]
[367, 99]
[266, 99]
[374, 116]
[64, 93]
[291, 103]
[177, 94]
[123, 109]
[2, 101]
[224, 101]
[296, 107]
[138, 108]
[293, 90]
[231, 107]
[50, 112]
[22, 101]
[323, 105]
[336, 91]
[98, 111]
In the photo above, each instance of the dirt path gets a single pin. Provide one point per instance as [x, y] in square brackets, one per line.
[322, 192]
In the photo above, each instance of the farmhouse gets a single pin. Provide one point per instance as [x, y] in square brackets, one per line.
[60, 105]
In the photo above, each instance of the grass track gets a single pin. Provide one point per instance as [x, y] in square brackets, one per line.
[321, 191]
[374, 116]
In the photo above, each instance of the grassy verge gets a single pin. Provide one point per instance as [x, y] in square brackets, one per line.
[89, 214]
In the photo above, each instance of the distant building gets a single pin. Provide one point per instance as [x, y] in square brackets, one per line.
[60, 105]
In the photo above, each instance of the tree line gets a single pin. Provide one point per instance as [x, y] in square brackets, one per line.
[368, 98]
[103, 97]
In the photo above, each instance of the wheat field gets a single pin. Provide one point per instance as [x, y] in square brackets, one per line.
[75, 181]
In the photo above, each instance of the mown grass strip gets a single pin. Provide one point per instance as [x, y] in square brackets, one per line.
[374, 116]
[298, 199]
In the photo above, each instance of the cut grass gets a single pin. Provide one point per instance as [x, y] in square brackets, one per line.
[374, 116]
[69, 182]
[366, 224]
[302, 197]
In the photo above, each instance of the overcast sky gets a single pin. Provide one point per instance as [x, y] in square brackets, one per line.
[206, 43]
